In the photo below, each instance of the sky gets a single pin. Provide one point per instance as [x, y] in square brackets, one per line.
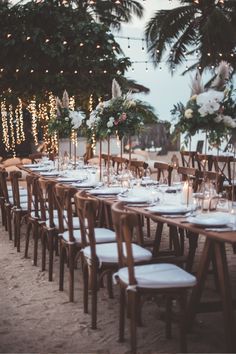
[165, 89]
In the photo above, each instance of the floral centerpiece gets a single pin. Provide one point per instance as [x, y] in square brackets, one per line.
[212, 109]
[66, 119]
[121, 115]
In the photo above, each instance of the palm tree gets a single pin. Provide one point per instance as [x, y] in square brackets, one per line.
[204, 30]
[111, 12]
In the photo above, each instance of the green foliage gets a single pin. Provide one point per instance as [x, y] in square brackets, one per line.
[204, 27]
[121, 116]
[47, 46]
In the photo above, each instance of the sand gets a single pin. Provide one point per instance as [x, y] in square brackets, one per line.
[37, 318]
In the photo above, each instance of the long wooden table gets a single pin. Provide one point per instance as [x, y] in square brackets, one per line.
[214, 248]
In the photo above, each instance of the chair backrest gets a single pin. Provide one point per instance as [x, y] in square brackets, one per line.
[188, 158]
[125, 224]
[138, 167]
[222, 165]
[210, 176]
[118, 163]
[3, 185]
[14, 178]
[204, 162]
[47, 201]
[64, 197]
[104, 157]
[118, 213]
[32, 194]
[87, 210]
[164, 171]
[188, 174]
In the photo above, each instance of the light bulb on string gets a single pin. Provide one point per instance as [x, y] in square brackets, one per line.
[128, 43]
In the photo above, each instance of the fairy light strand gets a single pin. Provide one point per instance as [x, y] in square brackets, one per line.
[5, 130]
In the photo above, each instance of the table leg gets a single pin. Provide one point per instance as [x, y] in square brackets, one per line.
[201, 277]
[193, 243]
[226, 295]
[157, 241]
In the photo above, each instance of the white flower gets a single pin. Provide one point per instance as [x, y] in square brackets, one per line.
[93, 119]
[188, 113]
[209, 102]
[110, 123]
[66, 119]
[229, 122]
[218, 118]
[76, 118]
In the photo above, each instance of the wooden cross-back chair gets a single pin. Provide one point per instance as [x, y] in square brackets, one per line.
[204, 162]
[69, 233]
[209, 177]
[119, 162]
[6, 202]
[188, 158]
[100, 256]
[137, 280]
[139, 168]
[224, 166]
[34, 219]
[164, 172]
[19, 206]
[188, 174]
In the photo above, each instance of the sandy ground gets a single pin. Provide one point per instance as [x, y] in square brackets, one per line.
[37, 318]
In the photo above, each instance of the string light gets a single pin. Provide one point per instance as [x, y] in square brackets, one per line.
[32, 109]
[12, 130]
[17, 120]
[72, 103]
[5, 133]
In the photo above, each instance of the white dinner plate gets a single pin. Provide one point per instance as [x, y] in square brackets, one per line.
[39, 169]
[170, 209]
[133, 199]
[112, 190]
[210, 219]
[67, 179]
[85, 184]
[29, 165]
[49, 174]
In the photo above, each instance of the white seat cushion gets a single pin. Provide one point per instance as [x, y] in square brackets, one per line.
[76, 224]
[108, 253]
[101, 235]
[159, 276]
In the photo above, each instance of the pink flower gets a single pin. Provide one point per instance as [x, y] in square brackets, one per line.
[116, 122]
[123, 116]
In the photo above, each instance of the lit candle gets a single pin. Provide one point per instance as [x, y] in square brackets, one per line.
[187, 193]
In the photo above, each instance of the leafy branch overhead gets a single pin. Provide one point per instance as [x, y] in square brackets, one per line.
[52, 46]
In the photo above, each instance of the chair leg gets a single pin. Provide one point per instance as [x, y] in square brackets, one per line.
[36, 237]
[3, 214]
[85, 293]
[133, 321]
[122, 315]
[168, 316]
[71, 260]
[62, 265]
[51, 250]
[43, 240]
[94, 295]
[18, 227]
[109, 285]
[27, 236]
[8, 223]
[183, 342]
